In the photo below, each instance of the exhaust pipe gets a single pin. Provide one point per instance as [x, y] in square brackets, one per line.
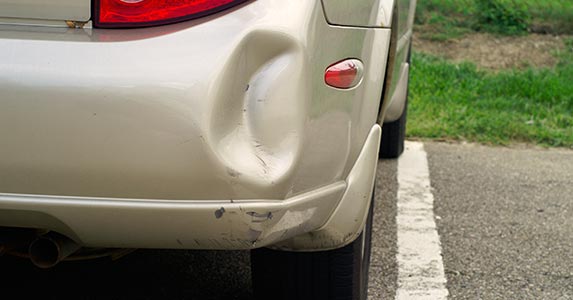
[49, 249]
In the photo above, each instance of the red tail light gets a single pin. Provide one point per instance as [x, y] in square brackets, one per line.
[344, 74]
[140, 13]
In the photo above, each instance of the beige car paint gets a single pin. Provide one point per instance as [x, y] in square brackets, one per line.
[399, 15]
[237, 117]
[396, 85]
[398, 99]
[34, 11]
[347, 221]
[169, 224]
[201, 224]
[364, 13]
[183, 118]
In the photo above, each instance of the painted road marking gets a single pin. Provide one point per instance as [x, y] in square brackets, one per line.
[420, 266]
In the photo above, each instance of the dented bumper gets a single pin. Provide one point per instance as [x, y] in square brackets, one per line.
[131, 223]
[336, 214]
[141, 138]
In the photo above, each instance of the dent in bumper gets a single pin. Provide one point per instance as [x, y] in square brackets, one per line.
[316, 220]
[347, 221]
[233, 107]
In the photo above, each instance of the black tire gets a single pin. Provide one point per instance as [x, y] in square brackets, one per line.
[393, 136]
[340, 274]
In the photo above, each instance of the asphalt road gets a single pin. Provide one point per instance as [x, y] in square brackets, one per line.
[506, 221]
[504, 216]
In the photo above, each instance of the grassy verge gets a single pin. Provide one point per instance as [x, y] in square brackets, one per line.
[460, 102]
[446, 19]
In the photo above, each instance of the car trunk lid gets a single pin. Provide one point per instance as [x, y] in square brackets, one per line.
[64, 10]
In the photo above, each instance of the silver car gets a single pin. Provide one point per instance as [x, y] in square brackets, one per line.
[202, 124]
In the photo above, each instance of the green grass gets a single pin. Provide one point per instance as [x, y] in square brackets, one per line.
[556, 15]
[460, 102]
[446, 19]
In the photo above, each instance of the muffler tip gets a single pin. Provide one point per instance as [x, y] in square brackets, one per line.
[50, 249]
[44, 253]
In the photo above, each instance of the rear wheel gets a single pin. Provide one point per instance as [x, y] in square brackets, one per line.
[340, 274]
[393, 136]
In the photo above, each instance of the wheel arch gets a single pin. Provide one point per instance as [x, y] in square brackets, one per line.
[394, 92]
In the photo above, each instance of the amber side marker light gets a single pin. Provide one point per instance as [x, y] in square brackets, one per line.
[344, 74]
[144, 13]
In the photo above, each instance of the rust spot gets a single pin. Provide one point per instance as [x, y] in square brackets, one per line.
[75, 24]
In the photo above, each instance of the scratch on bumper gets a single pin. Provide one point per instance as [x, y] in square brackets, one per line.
[129, 223]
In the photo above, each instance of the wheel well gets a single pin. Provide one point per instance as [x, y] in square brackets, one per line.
[390, 64]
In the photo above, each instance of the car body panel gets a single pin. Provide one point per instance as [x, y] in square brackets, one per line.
[400, 95]
[371, 13]
[187, 119]
[397, 15]
[396, 86]
[363, 13]
[62, 10]
[406, 12]
[200, 224]
[347, 221]
[232, 117]
[145, 223]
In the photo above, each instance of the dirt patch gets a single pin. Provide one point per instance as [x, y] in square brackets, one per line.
[494, 52]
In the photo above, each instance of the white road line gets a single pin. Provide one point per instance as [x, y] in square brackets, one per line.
[420, 266]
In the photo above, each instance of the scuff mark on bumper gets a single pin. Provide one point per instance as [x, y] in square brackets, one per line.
[133, 223]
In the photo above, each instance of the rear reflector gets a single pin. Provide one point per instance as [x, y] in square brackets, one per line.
[344, 74]
[141, 13]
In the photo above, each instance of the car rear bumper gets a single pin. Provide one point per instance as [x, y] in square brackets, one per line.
[336, 211]
[136, 223]
[232, 106]
[183, 118]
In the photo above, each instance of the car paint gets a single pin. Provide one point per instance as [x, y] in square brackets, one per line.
[399, 15]
[239, 121]
[30, 10]
[398, 99]
[200, 224]
[231, 107]
[396, 86]
[371, 13]
[359, 13]
[347, 221]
